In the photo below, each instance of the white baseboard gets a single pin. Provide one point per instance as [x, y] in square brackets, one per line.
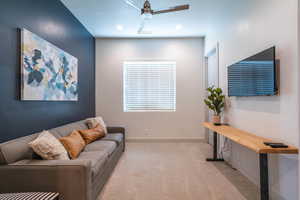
[165, 139]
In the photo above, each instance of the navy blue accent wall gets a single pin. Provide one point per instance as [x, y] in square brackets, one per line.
[51, 20]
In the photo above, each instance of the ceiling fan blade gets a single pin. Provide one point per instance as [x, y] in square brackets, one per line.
[172, 9]
[132, 4]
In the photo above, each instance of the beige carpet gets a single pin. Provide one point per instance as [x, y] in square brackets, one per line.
[175, 171]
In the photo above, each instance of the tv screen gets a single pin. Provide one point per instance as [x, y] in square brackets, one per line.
[253, 76]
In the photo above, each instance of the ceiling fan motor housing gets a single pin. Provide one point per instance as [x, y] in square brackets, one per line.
[147, 8]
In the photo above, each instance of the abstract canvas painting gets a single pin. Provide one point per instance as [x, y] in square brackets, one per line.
[48, 73]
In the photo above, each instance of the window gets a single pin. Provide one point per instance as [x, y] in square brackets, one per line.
[149, 86]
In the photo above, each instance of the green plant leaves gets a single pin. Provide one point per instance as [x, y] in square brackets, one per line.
[215, 100]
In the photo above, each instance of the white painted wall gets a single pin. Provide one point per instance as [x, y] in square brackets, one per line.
[243, 29]
[186, 121]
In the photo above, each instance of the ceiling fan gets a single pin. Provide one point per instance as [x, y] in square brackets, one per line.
[147, 12]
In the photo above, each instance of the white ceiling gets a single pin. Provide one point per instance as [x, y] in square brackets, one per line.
[101, 17]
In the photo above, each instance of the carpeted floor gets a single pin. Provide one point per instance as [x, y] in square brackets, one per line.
[175, 171]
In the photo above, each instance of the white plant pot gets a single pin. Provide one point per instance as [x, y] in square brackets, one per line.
[216, 119]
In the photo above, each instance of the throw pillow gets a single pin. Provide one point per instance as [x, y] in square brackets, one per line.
[48, 147]
[93, 122]
[73, 143]
[91, 135]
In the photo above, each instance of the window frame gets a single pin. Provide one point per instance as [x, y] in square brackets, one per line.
[174, 63]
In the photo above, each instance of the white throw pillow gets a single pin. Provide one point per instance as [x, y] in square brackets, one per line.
[93, 122]
[49, 147]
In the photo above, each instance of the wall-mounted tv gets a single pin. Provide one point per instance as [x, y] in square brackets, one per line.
[254, 76]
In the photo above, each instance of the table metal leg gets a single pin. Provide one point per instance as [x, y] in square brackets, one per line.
[215, 155]
[264, 176]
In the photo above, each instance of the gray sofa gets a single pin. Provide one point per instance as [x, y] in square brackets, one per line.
[80, 179]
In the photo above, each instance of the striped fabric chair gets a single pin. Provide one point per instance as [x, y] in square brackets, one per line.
[30, 196]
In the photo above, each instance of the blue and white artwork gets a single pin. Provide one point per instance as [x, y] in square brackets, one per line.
[48, 73]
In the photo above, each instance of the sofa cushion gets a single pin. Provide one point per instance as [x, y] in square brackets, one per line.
[104, 146]
[48, 147]
[16, 149]
[93, 122]
[73, 143]
[91, 135]
[97, 158]
[117, 137]
[68, 128]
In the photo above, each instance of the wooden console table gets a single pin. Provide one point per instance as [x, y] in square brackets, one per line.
[254, 143]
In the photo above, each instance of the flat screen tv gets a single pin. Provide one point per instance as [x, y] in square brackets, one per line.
[254, 76]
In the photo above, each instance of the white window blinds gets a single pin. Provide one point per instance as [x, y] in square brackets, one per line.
[149, 86]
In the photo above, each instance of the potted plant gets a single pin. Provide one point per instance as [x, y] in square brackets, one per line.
[216, 102]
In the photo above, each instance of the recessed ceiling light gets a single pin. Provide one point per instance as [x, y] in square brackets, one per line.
[178, 27]
[119, 27]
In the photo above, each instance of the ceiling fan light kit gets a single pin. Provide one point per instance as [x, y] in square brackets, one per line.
[147, 16]
[147, 12]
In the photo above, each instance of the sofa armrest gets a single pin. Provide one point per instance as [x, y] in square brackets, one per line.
[72, 179]
[115, 129]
